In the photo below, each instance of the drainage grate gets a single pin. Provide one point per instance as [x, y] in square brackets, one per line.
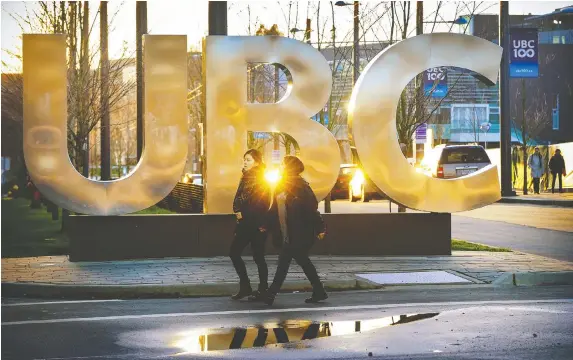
[422, 277]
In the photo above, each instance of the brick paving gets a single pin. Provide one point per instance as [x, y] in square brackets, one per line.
[57, 270]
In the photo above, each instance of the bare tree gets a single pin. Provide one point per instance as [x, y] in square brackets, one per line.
[84, 80]
[533, 113]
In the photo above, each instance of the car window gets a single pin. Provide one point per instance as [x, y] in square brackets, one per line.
[464, 155]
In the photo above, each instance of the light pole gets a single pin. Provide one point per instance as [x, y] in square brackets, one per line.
[504, 102]
[355, 63]
[485, 128]
[356, 43]
[459, 21]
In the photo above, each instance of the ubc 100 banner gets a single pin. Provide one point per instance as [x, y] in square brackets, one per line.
[436, 82]
[523, 53]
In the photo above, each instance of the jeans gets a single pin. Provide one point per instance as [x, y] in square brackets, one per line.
[560, 181]
[244, 236]
[536, 185]
[302, 259]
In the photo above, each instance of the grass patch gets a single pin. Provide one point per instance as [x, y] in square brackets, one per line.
[30, 232]
[460, 245]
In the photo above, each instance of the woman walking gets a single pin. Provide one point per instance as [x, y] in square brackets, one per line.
[251, 206]
[535, 163]
[296, 223]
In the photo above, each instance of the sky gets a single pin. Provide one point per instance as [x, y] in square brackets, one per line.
[190, 18]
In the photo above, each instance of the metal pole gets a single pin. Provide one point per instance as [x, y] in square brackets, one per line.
[217, 26]
[504, 103]
[141, 29]
[356, 60]
[104, 98]
[419, 78]
[217, 18]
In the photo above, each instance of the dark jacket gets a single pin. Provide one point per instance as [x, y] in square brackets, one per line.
[304, 222]
[557, 164]
[252, 199]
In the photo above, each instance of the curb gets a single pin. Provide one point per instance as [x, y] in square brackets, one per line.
[42, 290]
[544, 202]
[542, 278]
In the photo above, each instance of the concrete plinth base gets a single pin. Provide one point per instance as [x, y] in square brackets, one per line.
[103, 238]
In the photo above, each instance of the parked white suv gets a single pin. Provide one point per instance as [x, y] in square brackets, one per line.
[460, 160]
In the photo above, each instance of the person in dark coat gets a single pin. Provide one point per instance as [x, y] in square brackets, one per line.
[296, 223]
[557, 167]
[251, 205]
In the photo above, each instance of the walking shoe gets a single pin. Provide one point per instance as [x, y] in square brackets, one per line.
[242, 293]
[316, 298]
[269, 299]
[258, 295]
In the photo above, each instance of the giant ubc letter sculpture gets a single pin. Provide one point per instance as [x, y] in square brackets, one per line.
[46, 125]
[372, 121]
[229, 117]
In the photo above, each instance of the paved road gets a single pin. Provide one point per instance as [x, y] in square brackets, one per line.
[539, 230]
[440, 322]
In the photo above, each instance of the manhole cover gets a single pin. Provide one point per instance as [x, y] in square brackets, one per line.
[422, 277]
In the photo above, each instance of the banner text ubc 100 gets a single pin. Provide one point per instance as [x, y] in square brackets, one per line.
[372, 121]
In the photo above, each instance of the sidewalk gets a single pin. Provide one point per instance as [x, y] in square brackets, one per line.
[564, 199]
[57, 277]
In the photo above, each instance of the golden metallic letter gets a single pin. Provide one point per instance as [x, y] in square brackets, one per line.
[45, 129]
[229, 116]
[372, 121]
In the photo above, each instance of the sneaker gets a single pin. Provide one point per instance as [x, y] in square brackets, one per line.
[242, 294]
[316, 298]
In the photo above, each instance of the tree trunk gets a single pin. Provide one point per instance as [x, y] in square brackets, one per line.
[524, 134]
[84, 73]
[525, 170]
[105, 161]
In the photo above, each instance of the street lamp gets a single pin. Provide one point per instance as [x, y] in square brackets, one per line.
[356, 44]
[459, 21]
[485, 128]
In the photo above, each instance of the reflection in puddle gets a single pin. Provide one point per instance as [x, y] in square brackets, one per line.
[281, 334]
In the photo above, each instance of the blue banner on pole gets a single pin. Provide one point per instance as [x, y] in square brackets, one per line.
[523, 53]
[436, 82]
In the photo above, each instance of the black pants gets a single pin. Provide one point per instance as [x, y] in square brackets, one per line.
[245, 235]
[536, 185]
[301, 258]
[560, 181]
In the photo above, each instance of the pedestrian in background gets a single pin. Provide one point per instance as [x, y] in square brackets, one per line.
[251, 205]
[557, 167]
[535, 164]
[294, 219]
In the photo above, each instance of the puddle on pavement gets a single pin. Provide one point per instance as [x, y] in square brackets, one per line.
[286, 334]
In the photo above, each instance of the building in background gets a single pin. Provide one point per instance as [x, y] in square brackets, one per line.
[472, 103]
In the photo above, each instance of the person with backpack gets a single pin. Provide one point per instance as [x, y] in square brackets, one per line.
[295, 224]
[535, 164]
[557, 167]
